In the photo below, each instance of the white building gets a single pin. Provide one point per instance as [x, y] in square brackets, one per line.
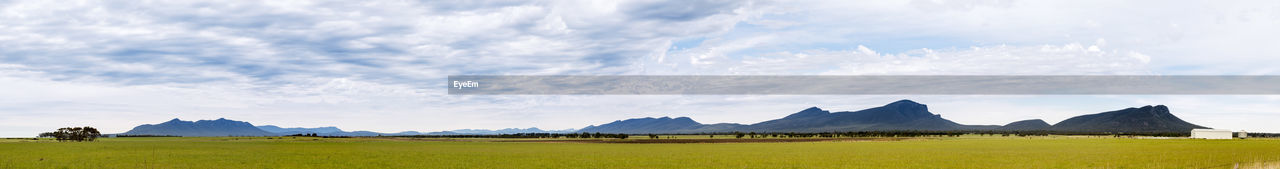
[1211, 134]
[1242, 134]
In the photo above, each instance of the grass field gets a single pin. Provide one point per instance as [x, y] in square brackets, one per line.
[962, 152]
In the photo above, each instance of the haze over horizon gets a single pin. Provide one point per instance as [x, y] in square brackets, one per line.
[376, 65]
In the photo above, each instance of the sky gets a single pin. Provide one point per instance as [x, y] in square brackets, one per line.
[376, 65]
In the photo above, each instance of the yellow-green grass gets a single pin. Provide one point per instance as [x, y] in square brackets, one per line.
[964, 152]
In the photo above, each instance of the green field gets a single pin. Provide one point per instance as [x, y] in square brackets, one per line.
[962, 152]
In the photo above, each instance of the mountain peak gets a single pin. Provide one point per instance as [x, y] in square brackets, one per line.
[1156, 111]
[684, 120]
[908, 108]
[809, 112]
[904, 102]
[176, 121]
[1161, 108]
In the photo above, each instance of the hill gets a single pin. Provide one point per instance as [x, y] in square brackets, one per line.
[201, 128]
[1025, 125]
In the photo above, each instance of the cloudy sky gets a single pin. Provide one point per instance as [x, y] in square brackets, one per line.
[377, 65]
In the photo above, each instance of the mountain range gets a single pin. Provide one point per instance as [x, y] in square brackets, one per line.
[899, 115]
[907, 115]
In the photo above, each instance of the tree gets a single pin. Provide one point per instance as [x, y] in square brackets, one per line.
[89, 133]
[74, 134]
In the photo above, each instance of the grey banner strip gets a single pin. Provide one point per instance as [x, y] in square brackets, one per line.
[862, 85]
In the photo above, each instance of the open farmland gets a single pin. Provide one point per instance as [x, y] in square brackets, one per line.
[962, 152]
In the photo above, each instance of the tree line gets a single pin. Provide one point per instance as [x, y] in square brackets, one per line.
[305, 135]
[926, 133]
[1265, 135]
[144, 135]
[528, 135]
[891, 133]
[77, 134]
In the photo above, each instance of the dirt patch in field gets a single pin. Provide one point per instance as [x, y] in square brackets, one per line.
[686, 141]
[1254, 165]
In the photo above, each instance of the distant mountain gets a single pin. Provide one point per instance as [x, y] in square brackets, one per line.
[224, 127]
[1145, 119]
[334, 131]
[202, 128]
[298, 130]
[509, 131]
[356, 133]
[647, 125]
[899, 115]
[1025, 125]
[328, 131]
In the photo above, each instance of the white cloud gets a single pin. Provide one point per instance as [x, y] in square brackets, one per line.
[1068, 59]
